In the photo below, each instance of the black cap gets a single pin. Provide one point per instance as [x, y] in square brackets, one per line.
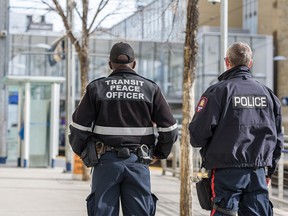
[122, 53]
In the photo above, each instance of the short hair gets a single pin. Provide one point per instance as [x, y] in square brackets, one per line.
[239, 53]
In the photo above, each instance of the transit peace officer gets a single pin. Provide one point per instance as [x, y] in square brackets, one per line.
[237, 124]
[122, 114]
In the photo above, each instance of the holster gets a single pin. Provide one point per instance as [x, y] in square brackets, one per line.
[144, 154]
[89, 155]
[204, 193]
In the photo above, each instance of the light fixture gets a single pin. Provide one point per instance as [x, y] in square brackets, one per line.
[279, 58]
[214, 1]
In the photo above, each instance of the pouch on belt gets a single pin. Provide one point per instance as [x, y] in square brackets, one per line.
[89, 154]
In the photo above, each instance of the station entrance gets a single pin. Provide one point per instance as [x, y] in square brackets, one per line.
[33, 120]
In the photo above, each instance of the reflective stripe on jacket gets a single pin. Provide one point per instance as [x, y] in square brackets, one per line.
[125, 108]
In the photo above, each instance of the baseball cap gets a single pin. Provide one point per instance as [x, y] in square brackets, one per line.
[122, 53]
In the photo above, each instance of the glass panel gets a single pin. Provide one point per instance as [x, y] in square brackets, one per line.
[30, 56]
[176, 69]
[39, 125]
[208, 61]
[211, 54]
[259, 49]
[202, 83]
[161, 67]
[146, 67]
[13, 132]
[98, 67]
[160, 62]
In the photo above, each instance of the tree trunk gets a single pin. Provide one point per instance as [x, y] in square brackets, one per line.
[84, 69]
[81, 46]
[190, 60]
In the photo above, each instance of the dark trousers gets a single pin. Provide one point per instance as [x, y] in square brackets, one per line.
[124, 178]
[241, 189]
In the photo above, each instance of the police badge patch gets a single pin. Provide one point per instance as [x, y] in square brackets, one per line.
[202, 103]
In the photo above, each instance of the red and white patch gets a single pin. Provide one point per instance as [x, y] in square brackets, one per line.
[201, 104]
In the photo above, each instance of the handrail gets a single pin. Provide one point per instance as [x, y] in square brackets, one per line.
[276, 195]
[286, 140]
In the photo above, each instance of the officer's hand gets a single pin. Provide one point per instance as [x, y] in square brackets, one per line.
[154, 160]
[268, 180]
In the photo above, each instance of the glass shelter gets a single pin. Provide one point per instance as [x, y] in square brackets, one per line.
[37, 101]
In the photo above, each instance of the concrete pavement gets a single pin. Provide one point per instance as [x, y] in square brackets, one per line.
[43, 192]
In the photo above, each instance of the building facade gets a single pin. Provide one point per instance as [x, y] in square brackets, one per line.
[164, 20]
[157, 33]
[272, 20]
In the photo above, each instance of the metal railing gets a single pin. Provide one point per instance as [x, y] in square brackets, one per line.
[172, 164]
[278, 190]
[280, 180]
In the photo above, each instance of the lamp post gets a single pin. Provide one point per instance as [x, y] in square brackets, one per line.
[70, 93]
[223, 29]
[4, 59]
[224, 32]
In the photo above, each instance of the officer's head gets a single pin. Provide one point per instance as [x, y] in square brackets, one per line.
[238, 54]
[122, 56]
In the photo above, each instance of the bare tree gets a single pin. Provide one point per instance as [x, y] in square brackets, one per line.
[81, 44]
[190, 60]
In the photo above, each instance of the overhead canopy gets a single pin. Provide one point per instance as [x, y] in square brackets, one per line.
[18, 79]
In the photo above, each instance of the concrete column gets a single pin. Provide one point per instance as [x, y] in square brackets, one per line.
[54, 122]
[70, 86]
[4, 58]
[3, 126]
[26, 144]
[224, 33]
[20, 124]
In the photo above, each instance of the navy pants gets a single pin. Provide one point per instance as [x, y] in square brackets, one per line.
[124, 178]
[241, 189]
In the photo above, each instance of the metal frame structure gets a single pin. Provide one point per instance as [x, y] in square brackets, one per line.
[24, 83]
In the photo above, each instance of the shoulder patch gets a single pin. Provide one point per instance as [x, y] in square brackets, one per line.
[201, 104]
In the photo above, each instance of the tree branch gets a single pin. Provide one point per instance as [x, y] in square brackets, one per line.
[96, 28]
[49, 6]
[101, 6]
[173, 20]
[78, 12]
[105, 31]
[168, 5]
[69, 32]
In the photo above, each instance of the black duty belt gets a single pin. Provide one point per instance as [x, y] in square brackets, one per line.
[121, 151]
[143, 152]
[118, 148]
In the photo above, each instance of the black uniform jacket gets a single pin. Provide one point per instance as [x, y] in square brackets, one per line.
[127, 109]
[237, 123]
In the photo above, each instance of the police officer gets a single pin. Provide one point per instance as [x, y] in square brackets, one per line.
[237, 124]
[124, 111]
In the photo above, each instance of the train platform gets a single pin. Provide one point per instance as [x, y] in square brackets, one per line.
[52, 192]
